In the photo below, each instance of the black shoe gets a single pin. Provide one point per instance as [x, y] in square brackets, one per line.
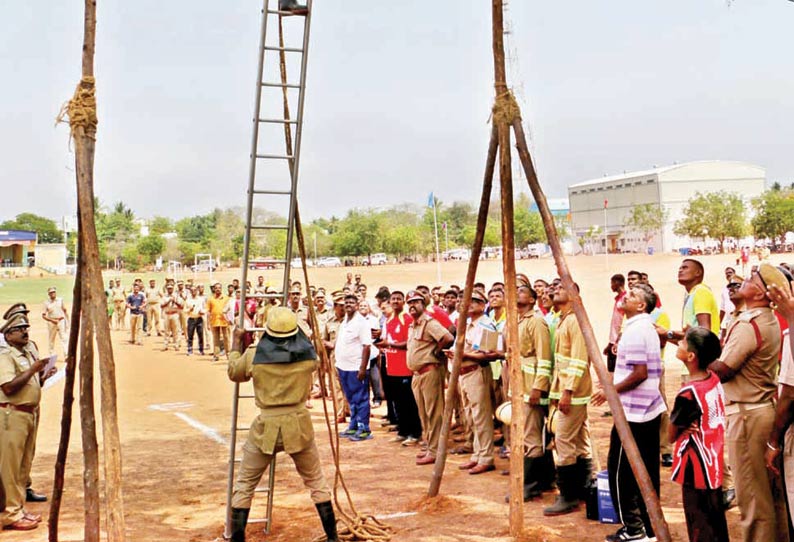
[567, 501]
[32, 496]
[667, 460]
[239, 520]
[326, 511]
[293, 7]
[729, 499]
[586, 476]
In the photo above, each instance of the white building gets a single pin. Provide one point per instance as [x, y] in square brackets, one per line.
[671, 187]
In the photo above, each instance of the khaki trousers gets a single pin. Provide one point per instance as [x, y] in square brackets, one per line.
[220, 334]
[533, 430]
[136, 328]
[153, 317]
[119, 312]
[428, 391]
[57, 332]
[17, 447]
[183, 323]
[255, 463]
[173, 335]
[572, 439]
[758, 492]
[475, 390]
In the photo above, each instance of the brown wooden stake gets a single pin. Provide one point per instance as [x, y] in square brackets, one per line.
[471, 273]
[88, 430]
[502, 122]
[68, 399]
[593, 351]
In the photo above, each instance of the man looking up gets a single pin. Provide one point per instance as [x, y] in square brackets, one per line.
[616, 284]
[353, 344]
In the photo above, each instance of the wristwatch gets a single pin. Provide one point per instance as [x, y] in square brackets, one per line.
[670, 334]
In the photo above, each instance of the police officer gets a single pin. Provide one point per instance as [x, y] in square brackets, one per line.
[54, 314]
[153, 297]
[281, 366]
[20, 394]
[330, 331]
[748, 369]
[172, 304]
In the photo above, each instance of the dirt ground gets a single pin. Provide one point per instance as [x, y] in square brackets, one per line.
[174, 415]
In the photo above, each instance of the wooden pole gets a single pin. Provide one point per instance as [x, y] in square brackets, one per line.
[68, 399]
[502, 122]
[88, 431]
[594, 353]
[452, 388]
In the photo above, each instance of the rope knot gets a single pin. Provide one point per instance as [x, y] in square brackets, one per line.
[505, 109]
[81, 109]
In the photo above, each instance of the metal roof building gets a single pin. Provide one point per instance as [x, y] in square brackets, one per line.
[607, 202]
[16, 246]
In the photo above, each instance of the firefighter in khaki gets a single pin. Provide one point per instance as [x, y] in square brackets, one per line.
[172, 304]
[119, 298]
[20, 394]
[534, 344]
[426, 339]
[153, 298]
[281, 366]
[570, 392]
[747, 368]
[330, 330]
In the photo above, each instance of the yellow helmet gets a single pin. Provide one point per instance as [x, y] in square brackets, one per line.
[281, 322]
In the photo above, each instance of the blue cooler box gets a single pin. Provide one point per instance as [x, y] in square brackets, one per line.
[606, 512]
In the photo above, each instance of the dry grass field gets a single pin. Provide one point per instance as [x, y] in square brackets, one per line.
[174, 419]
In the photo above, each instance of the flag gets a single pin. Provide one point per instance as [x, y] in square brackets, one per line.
[443, 225]
[431, 200]
[605, 203]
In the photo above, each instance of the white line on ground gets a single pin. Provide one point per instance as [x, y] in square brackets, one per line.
[206, 430]
[170, 407]
[396, 515]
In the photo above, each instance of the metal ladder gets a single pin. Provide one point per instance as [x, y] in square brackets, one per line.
[268, 160]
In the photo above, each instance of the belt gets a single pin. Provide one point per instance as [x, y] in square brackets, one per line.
[425, 368]
[30, 409]
[735, 408]
[468, 369]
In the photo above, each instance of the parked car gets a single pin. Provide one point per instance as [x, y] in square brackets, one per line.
[379, 258]
[536, 251]
[329, 261]
[262, 264]
[296, 263]
[462, 254]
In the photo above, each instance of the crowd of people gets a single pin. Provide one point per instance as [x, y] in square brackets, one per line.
[721, 435]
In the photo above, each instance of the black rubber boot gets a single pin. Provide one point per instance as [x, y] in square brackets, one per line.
[586, 476]
[547, 472]
[326, 511]
[239, 521]
[531, 482]
[293, 7]
[567, 481]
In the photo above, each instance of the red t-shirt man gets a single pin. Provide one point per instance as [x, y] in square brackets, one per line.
[397, 327]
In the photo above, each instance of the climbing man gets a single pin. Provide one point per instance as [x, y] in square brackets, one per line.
[281, 365]
[293, 7]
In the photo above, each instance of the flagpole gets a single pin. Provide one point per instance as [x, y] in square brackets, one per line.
[446, 238]
[435, 227]
[606, 237]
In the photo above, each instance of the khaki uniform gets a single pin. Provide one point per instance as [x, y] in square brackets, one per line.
[751, 349]
[172, 310]
[283, 424]
[475, 389]
[153, 297]
[428, 380]
[571, 372]
[534, 346]
[331, 328]
[183, 295]
[18, 426]
[119, 297]
[56, 331]
[303, 320]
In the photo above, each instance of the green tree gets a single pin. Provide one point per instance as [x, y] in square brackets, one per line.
[46, 229]
[774, 213]
[359, 233]
[150, 247]
[647, 219]
[718, 215]
[160, 225]
[196, 229]
[528, 227]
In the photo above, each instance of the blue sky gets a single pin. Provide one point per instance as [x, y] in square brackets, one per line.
[398, 96]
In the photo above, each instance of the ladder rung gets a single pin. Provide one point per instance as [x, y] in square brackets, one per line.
[285, 49]
[264, 520]
[274, 192]
[277, 12]
[243, 428]
[275, 156]
[246, 396]
[279, 121]
[281, 85]
[269, 227]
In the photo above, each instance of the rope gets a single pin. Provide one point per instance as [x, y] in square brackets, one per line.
[505, 109]
[351, 526]
[81, 109]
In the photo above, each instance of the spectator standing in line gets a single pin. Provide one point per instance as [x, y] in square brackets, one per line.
[119, 298]
[172, 304]
[217, 321]
[617, 284]
[153, 297]
[136, 303]
[55, 315]
[638, 369]
[352, 349]
[726, 305]
[330, 332]
[195, 321]
[375, 382]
